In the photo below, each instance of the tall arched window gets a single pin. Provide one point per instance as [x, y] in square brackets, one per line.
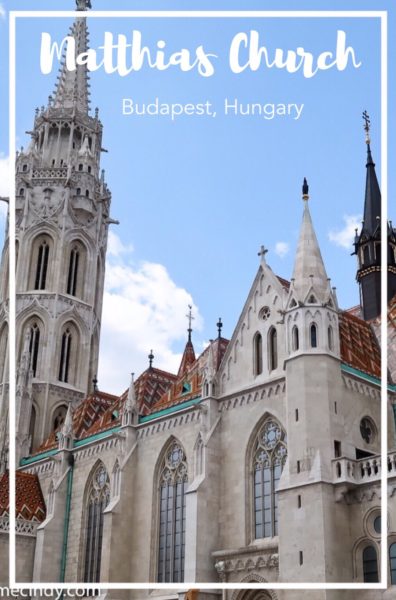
[370, 565]
[73, 271]
[330, 337]
[258, 354]
[172, 523]
[392, 562]
[3, 352]
[273, 349]
[269, 456]
[295, 338]
[313, 334]
[41, 266]
[34, 346]
[64, 363]
[98, 498]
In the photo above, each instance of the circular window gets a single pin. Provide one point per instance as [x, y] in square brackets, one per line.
[367, 430]
[264, 313]
[377, 524]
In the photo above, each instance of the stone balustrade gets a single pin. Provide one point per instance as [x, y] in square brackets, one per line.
[347, 470]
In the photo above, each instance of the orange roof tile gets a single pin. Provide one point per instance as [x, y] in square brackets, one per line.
[359, 345]
[29, 499]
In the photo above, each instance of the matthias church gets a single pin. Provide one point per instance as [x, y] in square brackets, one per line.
[257, 462]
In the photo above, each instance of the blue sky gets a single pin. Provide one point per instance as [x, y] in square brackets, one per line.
[198, 196]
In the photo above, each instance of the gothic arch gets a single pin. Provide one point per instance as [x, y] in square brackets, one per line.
[251, 450]
[254, 594]
[68, 357]
[41, 254]
[171, 470]
[96, 493]
[75, 274]
[33, 321]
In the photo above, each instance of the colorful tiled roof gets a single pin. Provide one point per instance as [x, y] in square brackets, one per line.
[359, 345]
[29, 500]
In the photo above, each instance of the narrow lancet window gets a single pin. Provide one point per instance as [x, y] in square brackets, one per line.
[65, 356]
[97, 499]
[330, 337]
[34, 346]
[73, 271]
[42, 266]
[295, 338]
[313, 331]
[273, 349]
[172, 523]
[258, 354]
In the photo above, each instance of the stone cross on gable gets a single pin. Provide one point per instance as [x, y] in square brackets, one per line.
[262, 253]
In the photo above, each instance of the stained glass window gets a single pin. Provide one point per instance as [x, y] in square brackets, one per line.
[172, 524]
[269, 457]
[98, 499]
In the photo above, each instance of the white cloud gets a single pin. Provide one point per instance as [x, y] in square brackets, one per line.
[344, 237]
[4, 174]
[281, 249]
[115, 247]
[143, 309]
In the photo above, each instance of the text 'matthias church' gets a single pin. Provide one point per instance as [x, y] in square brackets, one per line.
[258, 461]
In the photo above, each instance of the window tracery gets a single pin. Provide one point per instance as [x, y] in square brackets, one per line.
[97, 499]
[172, 524]
[269, 457]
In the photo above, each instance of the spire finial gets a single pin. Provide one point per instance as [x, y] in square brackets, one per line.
[219, 325]
[151, 358]
[190, 319]
[83, 4]
[367, 125]
[95, 384]
[305, 190]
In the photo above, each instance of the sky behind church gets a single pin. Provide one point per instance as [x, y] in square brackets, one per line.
[197, 196]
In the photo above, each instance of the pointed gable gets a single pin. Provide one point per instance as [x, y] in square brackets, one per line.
[261, 312]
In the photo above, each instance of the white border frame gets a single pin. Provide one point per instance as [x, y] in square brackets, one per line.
[382, 15]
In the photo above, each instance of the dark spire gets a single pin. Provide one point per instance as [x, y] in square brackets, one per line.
[367, 243]
[219, 325]
[188, 357]
[95, 384]
[372, 198]
[190, 319]
[151, 358]
[305, 190]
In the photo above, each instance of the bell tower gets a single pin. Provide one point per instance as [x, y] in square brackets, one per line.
[368, 243]
[62, 220]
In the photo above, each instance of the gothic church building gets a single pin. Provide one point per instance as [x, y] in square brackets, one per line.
[258, 461]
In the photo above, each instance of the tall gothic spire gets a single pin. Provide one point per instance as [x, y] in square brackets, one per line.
[372, 198]
[309, 270]
[72, 89]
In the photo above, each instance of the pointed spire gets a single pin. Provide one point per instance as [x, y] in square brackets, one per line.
[309, 270]
[72, 90]
[130, 409]
[151, 358]
[188, 357]
[66, 435]
[372, 198]
[211, 364]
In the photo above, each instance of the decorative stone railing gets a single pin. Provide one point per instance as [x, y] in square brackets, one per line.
[60, 173]
[23, 527]
[364, 470]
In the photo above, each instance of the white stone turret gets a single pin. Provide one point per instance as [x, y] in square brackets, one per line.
[66, 435]
[311, 308]
[130, 409]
